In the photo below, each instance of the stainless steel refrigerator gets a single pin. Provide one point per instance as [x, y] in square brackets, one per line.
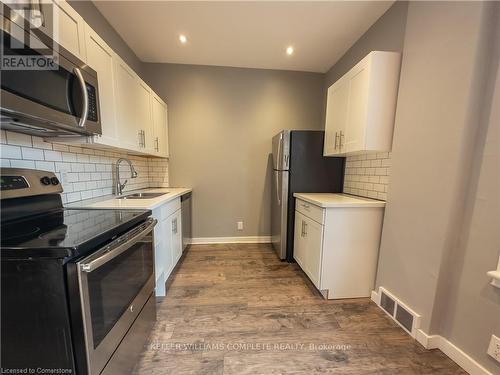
[298, 167]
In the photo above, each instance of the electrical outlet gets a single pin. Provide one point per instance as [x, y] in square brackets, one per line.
[494, 348]
[64, 176]
[240, 225]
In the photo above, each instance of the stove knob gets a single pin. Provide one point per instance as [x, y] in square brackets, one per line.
[45, 180]
[54, 181]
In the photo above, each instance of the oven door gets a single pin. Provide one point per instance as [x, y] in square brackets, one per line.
[115, 283]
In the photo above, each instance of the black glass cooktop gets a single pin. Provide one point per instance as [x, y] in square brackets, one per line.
[66, 233]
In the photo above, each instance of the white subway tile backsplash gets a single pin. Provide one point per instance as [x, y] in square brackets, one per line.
[84, 173]
[11, 152]
[367, 175]
[18, 139]
[45, 166]
[32, 153]
[22, 164]
[52, 155]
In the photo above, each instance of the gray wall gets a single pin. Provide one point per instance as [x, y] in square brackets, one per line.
[467, 308]
[441, 96]
[387, 34]
[221, 123]
[101, 26]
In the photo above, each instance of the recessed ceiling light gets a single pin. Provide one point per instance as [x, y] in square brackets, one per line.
[289, 51]
[183, 39]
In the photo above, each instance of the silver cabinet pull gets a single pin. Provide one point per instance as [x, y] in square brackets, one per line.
[305, 229]
[340, 139]
[336, 138]
[85, 94]
[140, 138]
[157, 145]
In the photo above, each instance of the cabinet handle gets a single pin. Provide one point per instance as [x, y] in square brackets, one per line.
[336, 138]
[157, 145]
[306, 206]
[305, 229]
[142, 138]
[340, 139]
[174, 226]
[302, 232]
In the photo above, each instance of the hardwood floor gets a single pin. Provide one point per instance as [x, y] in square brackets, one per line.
[237, 309]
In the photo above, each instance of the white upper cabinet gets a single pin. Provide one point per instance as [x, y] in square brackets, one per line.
[128, 97]
[100, 57]
[160, 126]
[69, 29]
[133, 117]
[336, 116]
[145, 116]
[361, 106]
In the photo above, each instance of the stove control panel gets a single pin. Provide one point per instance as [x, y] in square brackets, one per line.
[17, 183]
[13, 182]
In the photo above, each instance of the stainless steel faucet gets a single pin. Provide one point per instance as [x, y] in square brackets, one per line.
[119, 185]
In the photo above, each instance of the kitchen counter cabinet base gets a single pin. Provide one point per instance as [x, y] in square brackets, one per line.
[339, 253]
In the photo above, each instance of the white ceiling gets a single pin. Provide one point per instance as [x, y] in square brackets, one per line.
[252, 34]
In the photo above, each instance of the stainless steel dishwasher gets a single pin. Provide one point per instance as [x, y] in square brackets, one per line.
[186, 220]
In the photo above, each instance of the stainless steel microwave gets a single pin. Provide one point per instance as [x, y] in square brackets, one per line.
[57, 102]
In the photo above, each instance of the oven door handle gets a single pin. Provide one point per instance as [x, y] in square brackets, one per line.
[85, 94]
[120, 245]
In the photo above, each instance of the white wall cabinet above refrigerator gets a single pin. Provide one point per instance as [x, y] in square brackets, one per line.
[361, 106]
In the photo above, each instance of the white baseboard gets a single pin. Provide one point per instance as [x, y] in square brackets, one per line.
[221, 240]
[375, 297]
[428, 341]
[456, 354]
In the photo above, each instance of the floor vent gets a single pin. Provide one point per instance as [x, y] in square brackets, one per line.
[397, 310]
[387, 303]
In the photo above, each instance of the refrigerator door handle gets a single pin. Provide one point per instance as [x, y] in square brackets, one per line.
[279, 158]
[277, 188]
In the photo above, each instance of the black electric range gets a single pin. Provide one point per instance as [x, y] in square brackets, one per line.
[73, 281]
[65, 233]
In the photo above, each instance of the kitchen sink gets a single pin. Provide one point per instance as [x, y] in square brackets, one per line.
[141, 195]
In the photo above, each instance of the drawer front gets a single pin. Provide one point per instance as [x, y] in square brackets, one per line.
[310, 210]
[169, 208]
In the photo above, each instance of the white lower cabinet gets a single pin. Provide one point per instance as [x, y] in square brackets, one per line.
[167, 242]
[337, 248]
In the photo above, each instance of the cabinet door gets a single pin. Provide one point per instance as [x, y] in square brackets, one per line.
[355, 133]
[336, 116]
[314, 243]
[176, 230]
[127, 109]
[144, 120]
[160, 126]
[69, 29]
[100, 57]
[299, 240]
[168, 259]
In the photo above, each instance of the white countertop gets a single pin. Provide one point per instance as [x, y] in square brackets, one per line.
[329, 200]
[110, 201]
